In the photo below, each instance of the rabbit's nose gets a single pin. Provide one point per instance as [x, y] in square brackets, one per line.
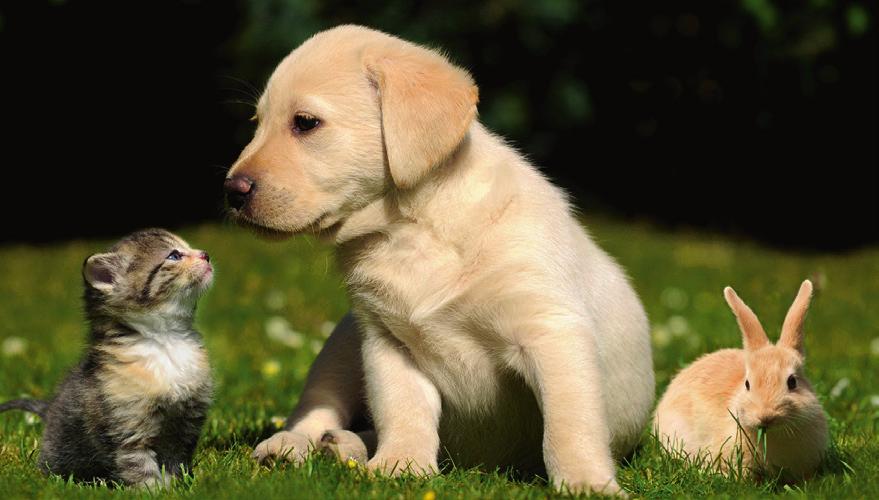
[766, 420]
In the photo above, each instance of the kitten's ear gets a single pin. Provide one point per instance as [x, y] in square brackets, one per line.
[99, 271]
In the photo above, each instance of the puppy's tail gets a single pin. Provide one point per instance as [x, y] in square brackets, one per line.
[32, 405]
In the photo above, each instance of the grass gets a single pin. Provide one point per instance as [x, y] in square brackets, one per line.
[269, 311]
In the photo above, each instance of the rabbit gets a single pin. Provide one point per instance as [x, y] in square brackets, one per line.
[720, 403]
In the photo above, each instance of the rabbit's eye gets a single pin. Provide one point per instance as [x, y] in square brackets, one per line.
[791, 383]
[747, 385]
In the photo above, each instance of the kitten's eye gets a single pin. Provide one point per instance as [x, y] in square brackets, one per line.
[174, 255]
[791, 383]
[747, 385]
[303, 122]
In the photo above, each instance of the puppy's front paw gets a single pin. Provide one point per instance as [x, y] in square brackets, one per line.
[395, 465]
[285, 445]
[609, 488]
[344, 446]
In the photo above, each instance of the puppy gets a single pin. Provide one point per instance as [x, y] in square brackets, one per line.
[488, 324]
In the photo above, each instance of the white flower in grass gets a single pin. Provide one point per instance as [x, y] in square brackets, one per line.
[316, 346]
[276, 325]
[276, 300]
[674, 298]
[326, 328]
[839, 387]
[678, 325]
[874, 346]
[14, 346]
[31, 419]
[279, 330]
[661, 336]
[278, 421]
[874, 400]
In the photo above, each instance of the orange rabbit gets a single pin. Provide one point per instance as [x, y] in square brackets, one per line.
[763, 387]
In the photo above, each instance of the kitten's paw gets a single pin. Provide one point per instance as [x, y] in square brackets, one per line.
[345, 446]
[395, 465]
[285, 445]
[156, 483]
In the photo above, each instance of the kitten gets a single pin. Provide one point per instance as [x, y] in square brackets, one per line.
[133, 408]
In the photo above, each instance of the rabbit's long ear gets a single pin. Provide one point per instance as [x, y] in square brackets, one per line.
[792, 330]
[753, 335]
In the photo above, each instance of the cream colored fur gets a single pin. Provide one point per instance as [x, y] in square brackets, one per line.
[483, 307]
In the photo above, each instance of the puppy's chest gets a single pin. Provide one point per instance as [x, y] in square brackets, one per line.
[407, 278]
[417, 288]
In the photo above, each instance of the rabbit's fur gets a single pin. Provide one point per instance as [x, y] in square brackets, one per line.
[715, 407]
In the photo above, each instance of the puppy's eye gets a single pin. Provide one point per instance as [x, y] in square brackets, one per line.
[174, 255]
[303, 122]
[791, 383]
[747, 385]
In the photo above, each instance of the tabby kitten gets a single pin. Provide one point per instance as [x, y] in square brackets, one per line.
[133, 408]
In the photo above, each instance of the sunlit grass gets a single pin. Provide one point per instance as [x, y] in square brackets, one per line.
[273, 305]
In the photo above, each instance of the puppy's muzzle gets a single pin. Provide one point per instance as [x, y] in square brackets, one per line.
[238, 190]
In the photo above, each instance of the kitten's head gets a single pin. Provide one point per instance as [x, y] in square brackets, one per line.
[150, 272]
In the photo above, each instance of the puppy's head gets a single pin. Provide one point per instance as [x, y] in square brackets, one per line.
[349, 115]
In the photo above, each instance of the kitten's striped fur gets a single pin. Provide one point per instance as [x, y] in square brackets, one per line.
[132, 410]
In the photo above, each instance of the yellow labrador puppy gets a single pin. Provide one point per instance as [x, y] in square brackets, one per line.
[489, 326]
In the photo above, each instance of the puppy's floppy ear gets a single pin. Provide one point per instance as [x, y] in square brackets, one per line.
[99, 271]
[427, 105]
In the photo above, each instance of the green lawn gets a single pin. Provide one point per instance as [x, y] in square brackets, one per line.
[272, 304]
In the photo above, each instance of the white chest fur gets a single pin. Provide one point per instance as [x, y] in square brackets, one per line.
[168, 366]
[408, 277]
[415, 285]
[420, 289]
[177, 362]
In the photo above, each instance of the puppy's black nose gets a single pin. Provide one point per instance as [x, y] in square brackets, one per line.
[238, 189]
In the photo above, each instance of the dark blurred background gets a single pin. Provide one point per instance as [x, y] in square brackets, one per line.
[755, 118]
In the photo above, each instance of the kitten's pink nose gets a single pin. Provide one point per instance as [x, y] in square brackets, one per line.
[204, 256]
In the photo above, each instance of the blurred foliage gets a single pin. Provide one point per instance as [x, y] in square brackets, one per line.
[488, 37]
[632, 107]
[657, 90]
